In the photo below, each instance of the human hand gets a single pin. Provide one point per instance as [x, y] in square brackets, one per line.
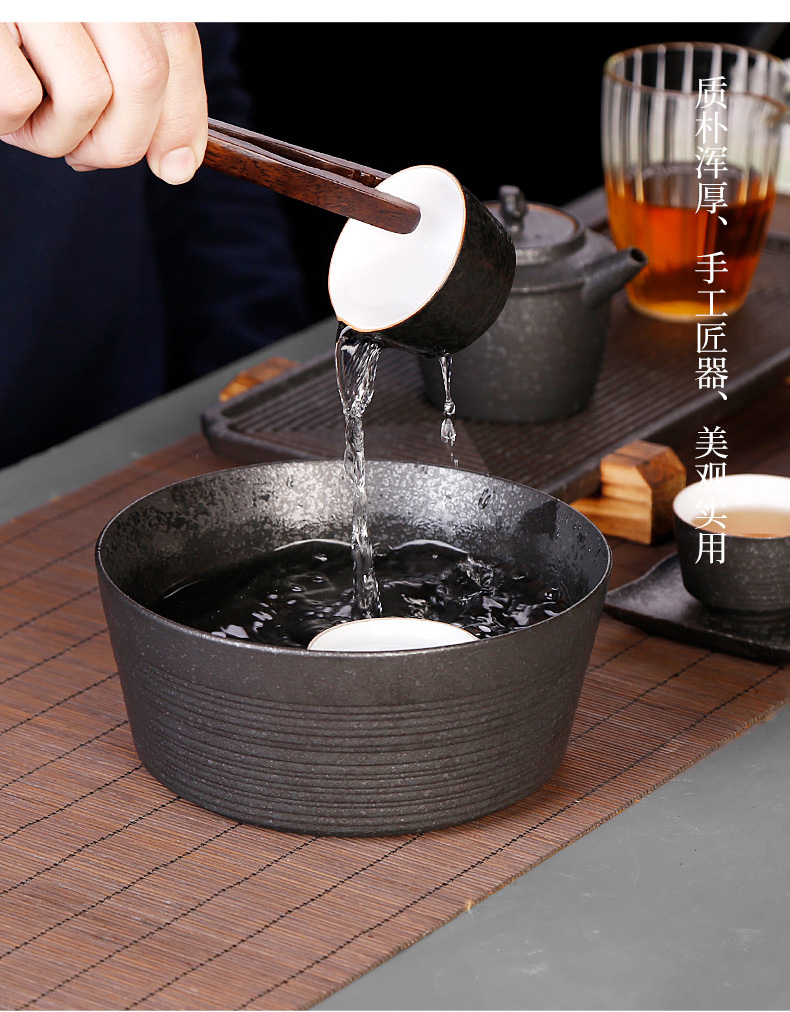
[105, 95]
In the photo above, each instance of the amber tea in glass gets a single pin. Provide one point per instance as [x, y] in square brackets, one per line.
[659, 165]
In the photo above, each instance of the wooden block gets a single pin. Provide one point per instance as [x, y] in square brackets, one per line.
[269, 369]
[638, 485]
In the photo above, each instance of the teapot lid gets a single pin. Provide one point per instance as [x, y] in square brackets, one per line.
[541, 233]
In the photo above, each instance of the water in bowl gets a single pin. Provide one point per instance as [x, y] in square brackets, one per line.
[286, 597]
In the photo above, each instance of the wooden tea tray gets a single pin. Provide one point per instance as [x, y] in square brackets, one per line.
[647, 390]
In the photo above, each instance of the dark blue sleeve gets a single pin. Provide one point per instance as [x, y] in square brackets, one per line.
[115, 287]
[229, 277]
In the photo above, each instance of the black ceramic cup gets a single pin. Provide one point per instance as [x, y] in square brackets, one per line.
[434, 290]
[752, 574]
[341, 743]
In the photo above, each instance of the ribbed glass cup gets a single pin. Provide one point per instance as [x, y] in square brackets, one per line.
[690, 169]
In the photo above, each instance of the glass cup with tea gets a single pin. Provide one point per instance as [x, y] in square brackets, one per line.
[691, 135]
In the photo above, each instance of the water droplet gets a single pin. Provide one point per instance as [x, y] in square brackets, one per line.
[448, 433]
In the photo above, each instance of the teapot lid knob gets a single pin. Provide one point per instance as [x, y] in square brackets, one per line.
[540, 232]
[513, 207]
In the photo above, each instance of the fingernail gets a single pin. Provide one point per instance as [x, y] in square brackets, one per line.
[79, 167]
[177, 166]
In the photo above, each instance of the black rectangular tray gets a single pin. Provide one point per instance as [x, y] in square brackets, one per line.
[659, 603]
[647, 390]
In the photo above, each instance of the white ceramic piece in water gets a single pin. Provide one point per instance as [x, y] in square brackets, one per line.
[374, 634]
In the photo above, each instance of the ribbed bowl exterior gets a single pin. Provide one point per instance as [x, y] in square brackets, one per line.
[339, 744]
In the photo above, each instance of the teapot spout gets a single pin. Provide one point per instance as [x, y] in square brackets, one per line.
[607, 276]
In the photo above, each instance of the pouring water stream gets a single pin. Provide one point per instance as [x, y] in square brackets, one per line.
[356, 359]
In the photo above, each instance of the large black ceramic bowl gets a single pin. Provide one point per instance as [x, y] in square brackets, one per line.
[351, 744]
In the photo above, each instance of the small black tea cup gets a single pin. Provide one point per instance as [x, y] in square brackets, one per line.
[736, 572]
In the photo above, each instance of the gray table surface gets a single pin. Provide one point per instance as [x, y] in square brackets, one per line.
[680, 902]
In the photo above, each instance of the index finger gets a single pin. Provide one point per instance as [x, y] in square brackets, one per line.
[136, 61]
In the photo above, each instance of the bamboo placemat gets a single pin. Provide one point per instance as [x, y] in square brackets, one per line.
[115, 894]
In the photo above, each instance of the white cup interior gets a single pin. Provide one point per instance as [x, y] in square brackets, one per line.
[375, 634]
[768, 491]
[379, 278]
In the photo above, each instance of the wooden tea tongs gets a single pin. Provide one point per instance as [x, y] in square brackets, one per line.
[332, 183]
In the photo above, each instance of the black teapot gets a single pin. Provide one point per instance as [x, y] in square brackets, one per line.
[541, 358]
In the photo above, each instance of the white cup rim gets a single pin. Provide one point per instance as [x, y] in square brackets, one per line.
[772, 490]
